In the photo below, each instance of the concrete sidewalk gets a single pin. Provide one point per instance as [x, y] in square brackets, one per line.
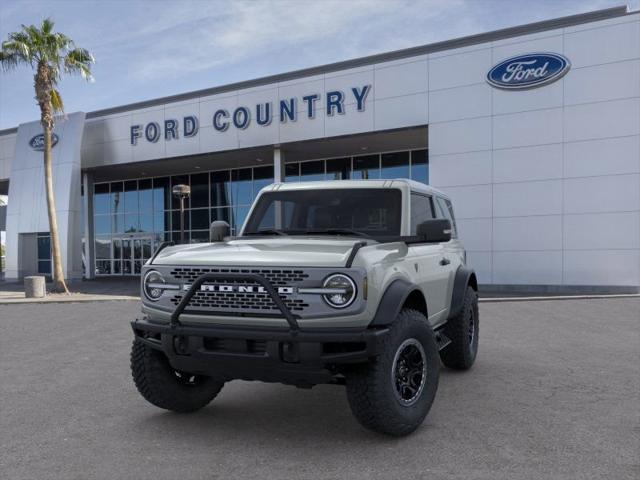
[104, 289]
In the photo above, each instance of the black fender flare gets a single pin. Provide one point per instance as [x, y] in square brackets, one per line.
[465, 277]
[392, 301]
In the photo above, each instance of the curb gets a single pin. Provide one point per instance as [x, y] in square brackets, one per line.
[113, 298]
[556, 297]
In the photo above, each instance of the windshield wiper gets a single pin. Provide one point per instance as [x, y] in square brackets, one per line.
[338, 231]
[267, 231]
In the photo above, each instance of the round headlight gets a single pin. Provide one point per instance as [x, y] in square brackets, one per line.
[150, 285]
[344, 290]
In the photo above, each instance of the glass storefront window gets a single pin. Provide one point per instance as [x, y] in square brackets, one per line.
[395, 165]
[366, 167]
[339, 168]
[131, 203]
[292, 172]
[161, 222]
[144, 210]
[241, 188]
[102, 224]
[175, 220]
[220, 189]
[161, 194]
[223, 214]
[262, 176]
[420, 166]
[200, 190]
[145, 195]
[311, 171]
[116, 197]
[146, 222]
[101, 199]
[200, 218]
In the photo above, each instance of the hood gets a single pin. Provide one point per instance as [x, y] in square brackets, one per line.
[280, 251]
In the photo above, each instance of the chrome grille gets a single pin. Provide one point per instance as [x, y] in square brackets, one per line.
[277, 277]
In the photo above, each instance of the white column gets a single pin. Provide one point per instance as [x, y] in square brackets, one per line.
[278, 165]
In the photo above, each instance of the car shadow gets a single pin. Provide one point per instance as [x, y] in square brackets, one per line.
[255, 412]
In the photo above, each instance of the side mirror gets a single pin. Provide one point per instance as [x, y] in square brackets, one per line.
[218, 230]
[435, 230]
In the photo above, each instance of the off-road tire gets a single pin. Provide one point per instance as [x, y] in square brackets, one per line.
[371, 389]
[162, 386]
[463, 349]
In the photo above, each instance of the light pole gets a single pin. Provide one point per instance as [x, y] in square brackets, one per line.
[182, 192]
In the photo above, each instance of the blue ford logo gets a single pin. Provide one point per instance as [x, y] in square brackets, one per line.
[37, 142]
[528, 71]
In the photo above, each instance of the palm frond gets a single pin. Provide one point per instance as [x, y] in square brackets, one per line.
[56, 101]
[79, 61]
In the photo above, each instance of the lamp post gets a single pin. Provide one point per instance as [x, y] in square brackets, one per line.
[182, 192]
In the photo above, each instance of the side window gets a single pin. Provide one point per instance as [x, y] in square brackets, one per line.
[445, 210]
[421, 210]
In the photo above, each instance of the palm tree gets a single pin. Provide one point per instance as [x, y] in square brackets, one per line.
[50, 55]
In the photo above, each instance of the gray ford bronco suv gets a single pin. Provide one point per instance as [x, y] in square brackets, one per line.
[361, 283]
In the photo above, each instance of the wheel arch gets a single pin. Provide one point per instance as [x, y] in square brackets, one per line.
[398, 295]
[465, 277]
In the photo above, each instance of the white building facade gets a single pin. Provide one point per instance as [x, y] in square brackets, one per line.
[534, 131]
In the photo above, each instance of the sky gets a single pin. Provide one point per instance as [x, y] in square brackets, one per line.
[150, 49]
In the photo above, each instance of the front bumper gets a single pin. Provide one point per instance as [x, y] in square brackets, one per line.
[296, 357]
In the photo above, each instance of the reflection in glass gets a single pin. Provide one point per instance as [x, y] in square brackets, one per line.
[161, 222]
[131, 223]
[292, 172]
[339, 169]
[200, 218]
[175, 220]
[223, 214]
[420, 166]
[101, 198]
[241, 191]
[200, 190]
[116, 197]
[145, 195]
[146, 222]
[262, 176]
[310, 171]
[220, 189]
[103, 247]
[44, 266]
[395, 165]
[366, 167]
[161, 194]
[44, 247]
[131, 203]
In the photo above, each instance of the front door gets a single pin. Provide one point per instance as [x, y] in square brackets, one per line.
[130, 253]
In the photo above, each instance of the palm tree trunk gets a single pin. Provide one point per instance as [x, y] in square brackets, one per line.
[59, 284]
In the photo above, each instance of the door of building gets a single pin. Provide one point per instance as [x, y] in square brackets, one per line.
[130, 252]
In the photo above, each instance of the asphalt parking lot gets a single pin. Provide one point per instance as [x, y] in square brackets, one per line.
[555, 394]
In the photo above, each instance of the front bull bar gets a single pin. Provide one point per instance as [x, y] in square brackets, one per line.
[246, 277]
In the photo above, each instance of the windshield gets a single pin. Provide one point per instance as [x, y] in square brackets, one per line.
[366, 212]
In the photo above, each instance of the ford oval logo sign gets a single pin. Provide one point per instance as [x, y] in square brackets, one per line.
[528, 71]
[37, 142]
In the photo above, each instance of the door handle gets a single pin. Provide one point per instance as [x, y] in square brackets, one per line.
[445, 261]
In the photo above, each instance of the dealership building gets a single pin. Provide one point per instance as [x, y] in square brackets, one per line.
[533, 131]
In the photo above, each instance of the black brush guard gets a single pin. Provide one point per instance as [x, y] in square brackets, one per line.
[285, 355]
